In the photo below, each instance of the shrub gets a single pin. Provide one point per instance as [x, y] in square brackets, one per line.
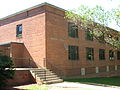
[6, 70]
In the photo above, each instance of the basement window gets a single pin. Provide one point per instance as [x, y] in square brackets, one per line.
[19, 30]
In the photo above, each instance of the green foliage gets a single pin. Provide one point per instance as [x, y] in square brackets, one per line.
[116, 15]
[37, 88]
[97, 19]
[6, 70]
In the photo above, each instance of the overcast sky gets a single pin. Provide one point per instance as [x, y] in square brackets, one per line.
[8, 7]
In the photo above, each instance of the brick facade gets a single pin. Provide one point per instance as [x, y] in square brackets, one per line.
[45, 43]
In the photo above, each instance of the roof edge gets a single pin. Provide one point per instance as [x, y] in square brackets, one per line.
[28, 9]
[10, 43]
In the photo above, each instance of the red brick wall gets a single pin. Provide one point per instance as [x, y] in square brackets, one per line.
[33, 35]
[21, 77]
[45, 37]
[57, 51]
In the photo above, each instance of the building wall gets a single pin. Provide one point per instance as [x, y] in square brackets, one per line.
[33, 34]
[46, 40]
[57, 49]
[21, 77]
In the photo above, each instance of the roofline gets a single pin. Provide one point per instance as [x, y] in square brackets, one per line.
[28, 9]
[10, 43]
[39, 5]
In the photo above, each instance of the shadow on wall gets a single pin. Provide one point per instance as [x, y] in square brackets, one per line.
[20, 54]
[27, 60]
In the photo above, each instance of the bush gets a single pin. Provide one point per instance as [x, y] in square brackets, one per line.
[6, 70]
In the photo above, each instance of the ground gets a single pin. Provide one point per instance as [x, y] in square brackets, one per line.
[64, 86]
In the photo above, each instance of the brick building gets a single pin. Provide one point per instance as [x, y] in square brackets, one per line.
[41, 37]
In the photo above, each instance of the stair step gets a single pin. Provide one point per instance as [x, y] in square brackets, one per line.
[40, 69]
[53, 81]
[43, 72]
[45, 76]
[49, 76]
[53, 78]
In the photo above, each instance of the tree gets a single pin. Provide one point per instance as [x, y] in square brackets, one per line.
[6, 70]
[97, 20]
[116, 15]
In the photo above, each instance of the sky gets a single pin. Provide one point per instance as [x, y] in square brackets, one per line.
[8, 7]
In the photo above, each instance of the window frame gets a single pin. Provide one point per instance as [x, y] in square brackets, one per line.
[73, 55]
[73, 33]
[91, 53]
[102, 38]
[101, 54]
[118, 55]
[113, 56]
[89, 36]
[19, 29]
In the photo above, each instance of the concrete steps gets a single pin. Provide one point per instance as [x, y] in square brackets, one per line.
[45, 76]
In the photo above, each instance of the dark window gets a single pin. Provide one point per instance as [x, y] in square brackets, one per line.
[90, 53]
[19, 30]
[73, 52]
[101, 38]
[111, 55]
[101, 54]
[89, 35]
[117, 38]
[118, 55]
[72, 30]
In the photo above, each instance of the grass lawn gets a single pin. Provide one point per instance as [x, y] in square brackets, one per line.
[114, 81]
[37, 87]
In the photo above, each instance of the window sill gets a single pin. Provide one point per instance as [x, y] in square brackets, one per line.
[18, 37]
[74, 60]
[90, 60]
[89, 40]
[111, 59]
[101, 59]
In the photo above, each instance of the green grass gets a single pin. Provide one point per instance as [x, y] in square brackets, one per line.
[36, 88]
[114, 81]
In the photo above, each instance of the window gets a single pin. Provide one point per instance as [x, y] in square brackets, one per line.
[101, 38]
[89, 35]
[73, 52]
[111, 55]
[90, 53]
[72, 30]
[118, 55]
[19, 30]
[117, 38]
[101, 54]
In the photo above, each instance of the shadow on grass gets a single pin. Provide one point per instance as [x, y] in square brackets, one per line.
[112, 81]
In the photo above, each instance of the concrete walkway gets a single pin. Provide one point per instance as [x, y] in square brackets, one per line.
[79, 86]
[66, 86]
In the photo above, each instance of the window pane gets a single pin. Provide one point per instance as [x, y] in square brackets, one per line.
[111, 55]
[101, 54]
[89, 35]
[118, 55]
[101, 38]
[90, 54]
[72, 30]
[19, 30]
[73, 53]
